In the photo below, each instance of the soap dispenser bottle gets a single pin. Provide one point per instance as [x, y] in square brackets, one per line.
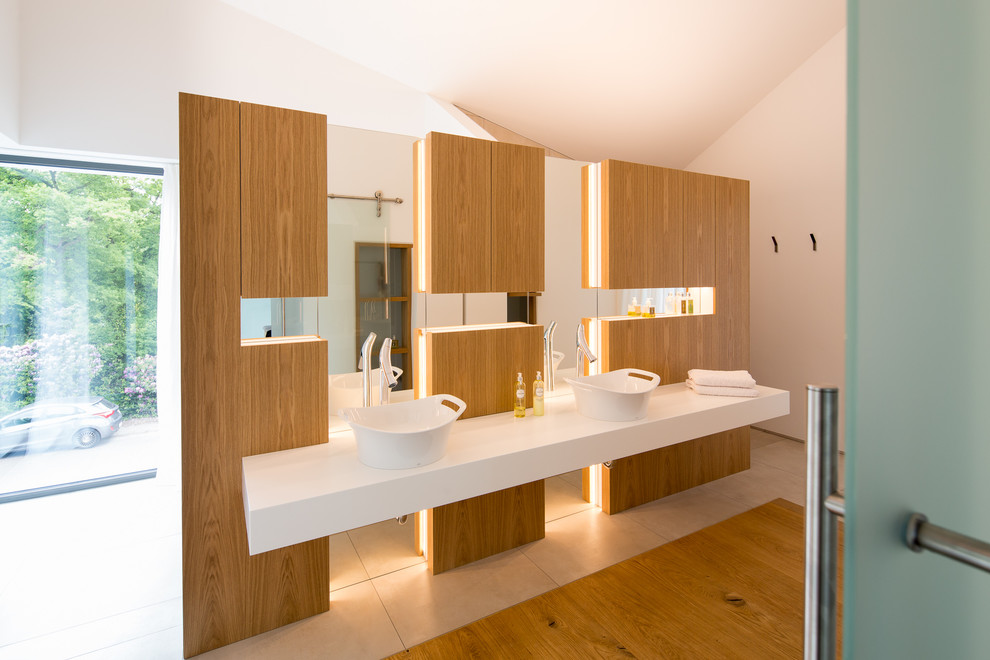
[520, 396]
[690, 301]
[668, 305]
[538, 395]
[633, 309]
[648, 310]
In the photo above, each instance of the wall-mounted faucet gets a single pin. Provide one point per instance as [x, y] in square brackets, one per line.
[548, 369]
[364, 366]
[386, 381]
[582, 347]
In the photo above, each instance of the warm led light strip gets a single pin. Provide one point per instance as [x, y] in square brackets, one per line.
[594, 225]
[422, 533]
[595, 484]
[421, 219]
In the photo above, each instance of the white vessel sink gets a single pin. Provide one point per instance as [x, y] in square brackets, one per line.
[618, 396]
[403, 435]
[346, 390]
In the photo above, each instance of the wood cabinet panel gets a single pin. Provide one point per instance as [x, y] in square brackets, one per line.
[624, 222]
[518, 205]
[699, 229]
[283, 202]
[235, 402]
[209, 150]
[473, 529]
[459, 230]
[665, 230]
[642, 478]
[732, 273]
[480, 366]
[667, 346]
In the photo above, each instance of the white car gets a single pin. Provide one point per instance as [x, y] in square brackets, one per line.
[80, 421]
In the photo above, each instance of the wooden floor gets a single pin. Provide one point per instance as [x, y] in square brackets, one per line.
[733, 590]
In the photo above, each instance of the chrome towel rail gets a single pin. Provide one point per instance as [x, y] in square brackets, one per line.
[377, 198]
[923, 535]
[821, 528]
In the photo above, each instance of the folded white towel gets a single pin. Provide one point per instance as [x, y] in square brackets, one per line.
[721, 391]
[721, 378]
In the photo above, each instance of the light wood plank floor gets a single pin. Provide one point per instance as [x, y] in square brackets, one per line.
[732, 590]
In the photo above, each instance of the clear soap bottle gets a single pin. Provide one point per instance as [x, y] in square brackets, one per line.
[633, 309]
[538, 395]
[519, 392]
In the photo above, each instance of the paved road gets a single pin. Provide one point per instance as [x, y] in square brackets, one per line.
[134, 447]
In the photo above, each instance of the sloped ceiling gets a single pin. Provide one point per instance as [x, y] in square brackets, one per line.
[651, 81]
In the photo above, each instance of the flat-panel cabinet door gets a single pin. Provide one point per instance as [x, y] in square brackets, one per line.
[459, 227]
[624, 224]
[665, 268]
[518, 204]
[699, 229]
[283, 202]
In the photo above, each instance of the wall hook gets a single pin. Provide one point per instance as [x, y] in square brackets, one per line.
[774, 239]
[814, 243]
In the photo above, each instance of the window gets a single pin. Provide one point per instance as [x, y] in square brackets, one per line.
[78, 320]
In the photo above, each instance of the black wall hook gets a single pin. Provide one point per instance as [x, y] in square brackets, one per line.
[814, 243]
[774, 239]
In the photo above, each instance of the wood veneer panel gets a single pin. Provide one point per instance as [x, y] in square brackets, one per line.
[672, 602]
[228, 595]
[283, 202]
[699, 228]
[625, 221]
[283, 405]
[665, 231]
[480, 366]
[209, 150]
[459, 231]
[472, 529]
[667, 346]
[645, 477]
[518, 191]
[732, 273]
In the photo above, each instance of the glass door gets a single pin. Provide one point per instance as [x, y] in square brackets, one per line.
[918, 346]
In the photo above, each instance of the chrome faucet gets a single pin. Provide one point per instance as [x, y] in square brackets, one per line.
[582, 347]
[364, 366]
[387, 381]
[548, 370]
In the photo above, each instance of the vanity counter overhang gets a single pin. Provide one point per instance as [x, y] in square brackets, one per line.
[301, 494]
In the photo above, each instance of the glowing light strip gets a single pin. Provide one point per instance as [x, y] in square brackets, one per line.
[422, 365]
[595, 484]
[421, 216]
[594, 225]
[594, 332]
[422, 533]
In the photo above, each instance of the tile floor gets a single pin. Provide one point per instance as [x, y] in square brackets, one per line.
[101, 576]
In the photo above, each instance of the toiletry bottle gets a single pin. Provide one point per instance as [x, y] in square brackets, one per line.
[519, 392]
[682, 302]
[648, 309]
[538, 395]
[690, 302]
[633, 309]
[668, 305]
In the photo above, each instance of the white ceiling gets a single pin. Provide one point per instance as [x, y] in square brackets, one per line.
[651, 81]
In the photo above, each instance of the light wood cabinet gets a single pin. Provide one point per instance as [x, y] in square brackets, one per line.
[478, 208]
[657, 227]
[283, 202]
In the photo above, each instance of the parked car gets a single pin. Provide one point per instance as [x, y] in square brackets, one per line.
[80, 421]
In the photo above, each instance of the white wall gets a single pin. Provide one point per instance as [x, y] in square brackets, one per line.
[791, 147]
[103, 75]
[10, 72]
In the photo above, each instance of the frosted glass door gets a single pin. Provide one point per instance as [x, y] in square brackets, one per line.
[918, 311]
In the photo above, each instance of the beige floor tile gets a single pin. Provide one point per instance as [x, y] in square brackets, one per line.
[784, 454]
[386, 546]
[563, 498]
[759, 485]
[759, 438]
[345, 565]
[355, 627]
[684, 513]
[589, 541]
[423, 606]
[573, 477]
[100, 634]
[163, 645]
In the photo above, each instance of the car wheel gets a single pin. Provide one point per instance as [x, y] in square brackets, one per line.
[86, 438]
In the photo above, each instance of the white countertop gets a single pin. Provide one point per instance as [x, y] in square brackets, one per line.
[301, 494]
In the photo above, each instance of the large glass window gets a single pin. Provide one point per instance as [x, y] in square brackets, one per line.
[78, 322]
